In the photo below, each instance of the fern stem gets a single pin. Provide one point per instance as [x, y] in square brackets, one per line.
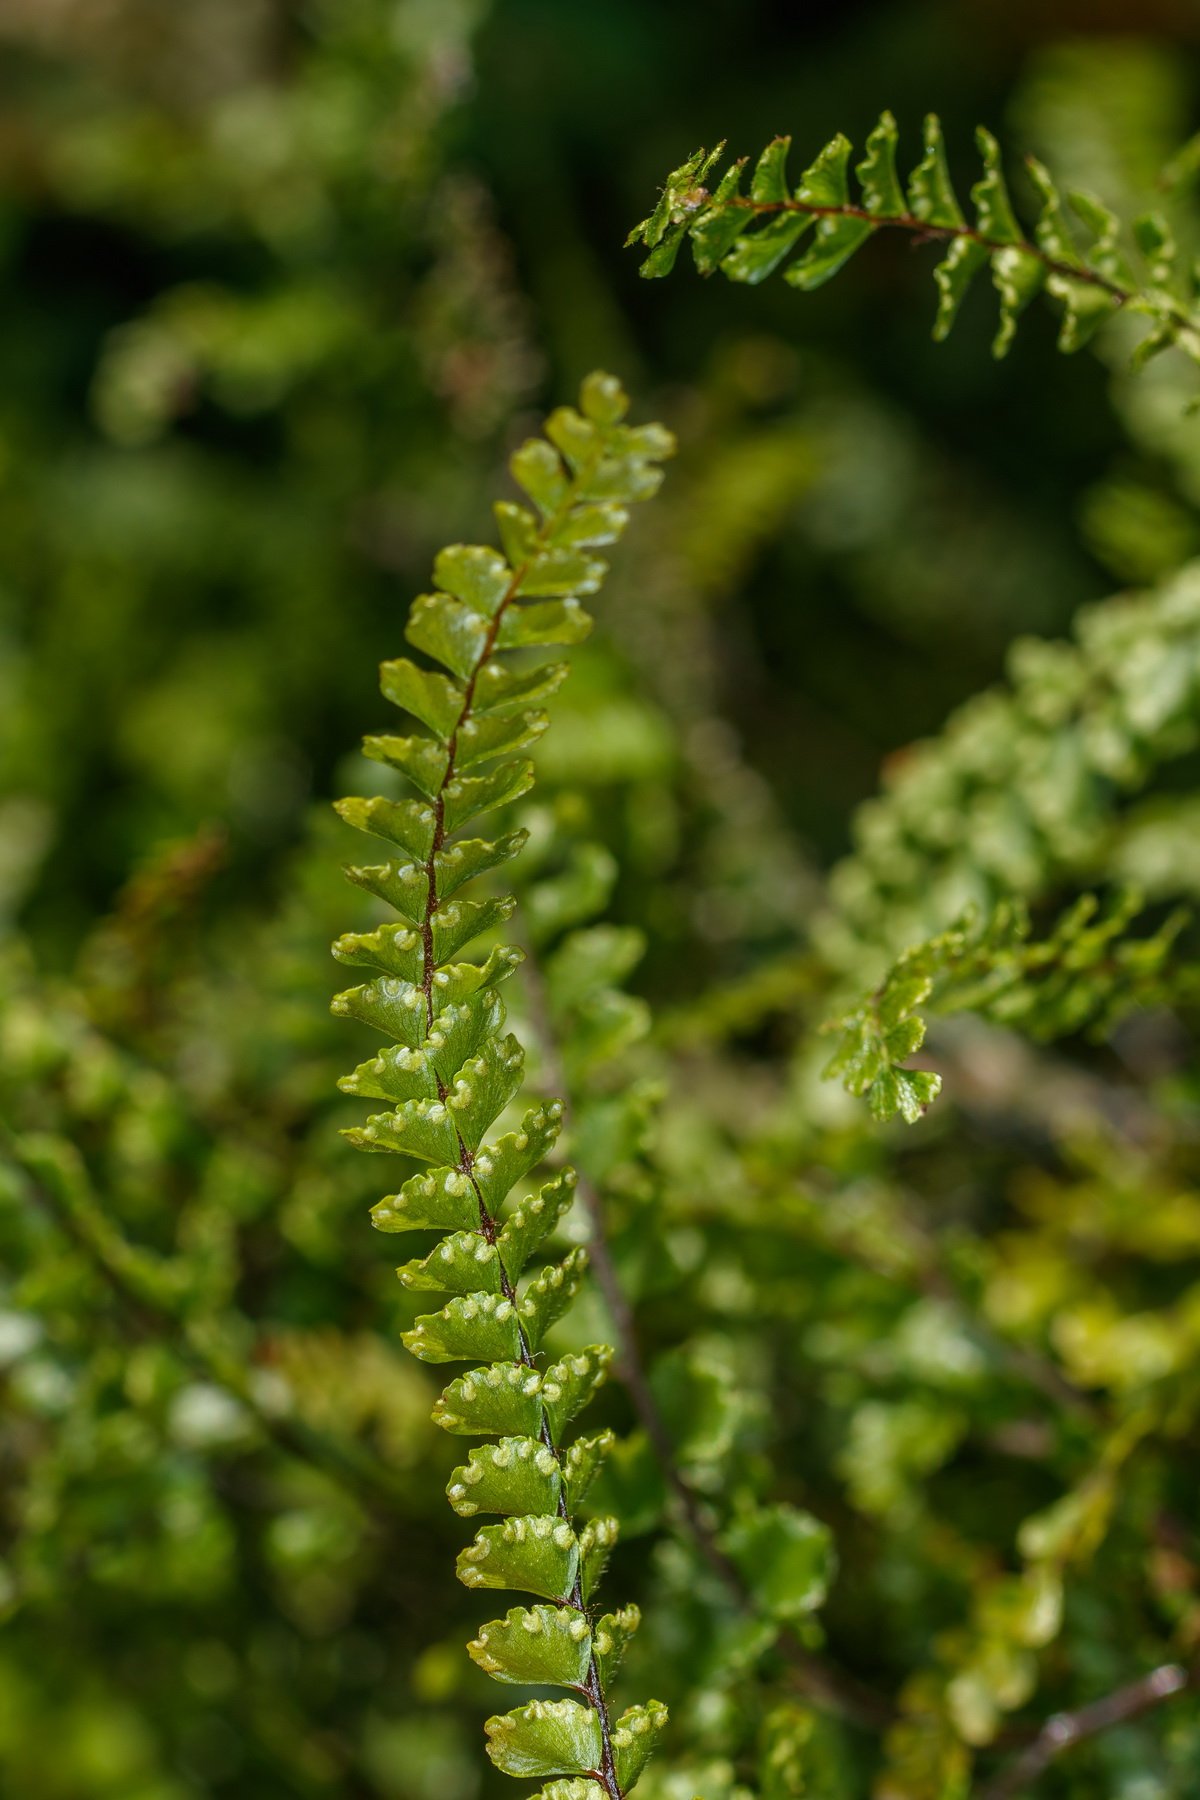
[924, 232]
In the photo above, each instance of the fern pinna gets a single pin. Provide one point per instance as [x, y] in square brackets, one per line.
[452, 1071]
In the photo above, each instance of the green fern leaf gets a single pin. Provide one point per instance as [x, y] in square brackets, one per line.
[909, 1092]
[520, 532]
[954, 275]
[483, 1088]
[409, 823]
[498, 688]
[756, 255]
[404, 886]
[582, 1463]
[768, 185]
[458, 922]
[550, 1294]
[461, 862]
[1087, 303]
[533, 1221]
[517, 1475]
[464, 1263]
[398, 950]
[509, 1400]
[482, 738]
[467, 796]
[561, 571]
[550, 622]
[714, 232]
[825, 184]
[501, 1165]
[834, 243]
[587, 526]
[541, 1644]
[611, 1637]
[1018, 275]
[994, 215]
[1155, 240]
[682, 197]
[536, 1555]
[547, 1737]
[396, 1073]
[633, 1739]
[424, 760]
[389, 1004]
[1105, 255]
[749, 239]
[881, 190]
[429, 696]
[504, 1400]
[538, 468]
[574, 1789]
[448, 630]
[435, 1200]
[825, 181]
[461, 1031]
[1053, 232]
[421, 1128]
[597, 1541]
[479, 1327]
[475, 574]
[568, 1385]
[931, 196]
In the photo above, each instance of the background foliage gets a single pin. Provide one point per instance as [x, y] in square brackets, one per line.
[284, 284]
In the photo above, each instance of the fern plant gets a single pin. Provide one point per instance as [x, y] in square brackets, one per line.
[749, 236]
[452, 1072]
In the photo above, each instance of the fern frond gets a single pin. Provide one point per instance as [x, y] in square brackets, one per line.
[749, 236]
[451, 1072]
[1084, 977]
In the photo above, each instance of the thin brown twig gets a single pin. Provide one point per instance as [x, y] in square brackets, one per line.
[827, 1686]
[1065, 1729]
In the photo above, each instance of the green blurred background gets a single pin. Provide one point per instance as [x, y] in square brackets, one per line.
[282, 285]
